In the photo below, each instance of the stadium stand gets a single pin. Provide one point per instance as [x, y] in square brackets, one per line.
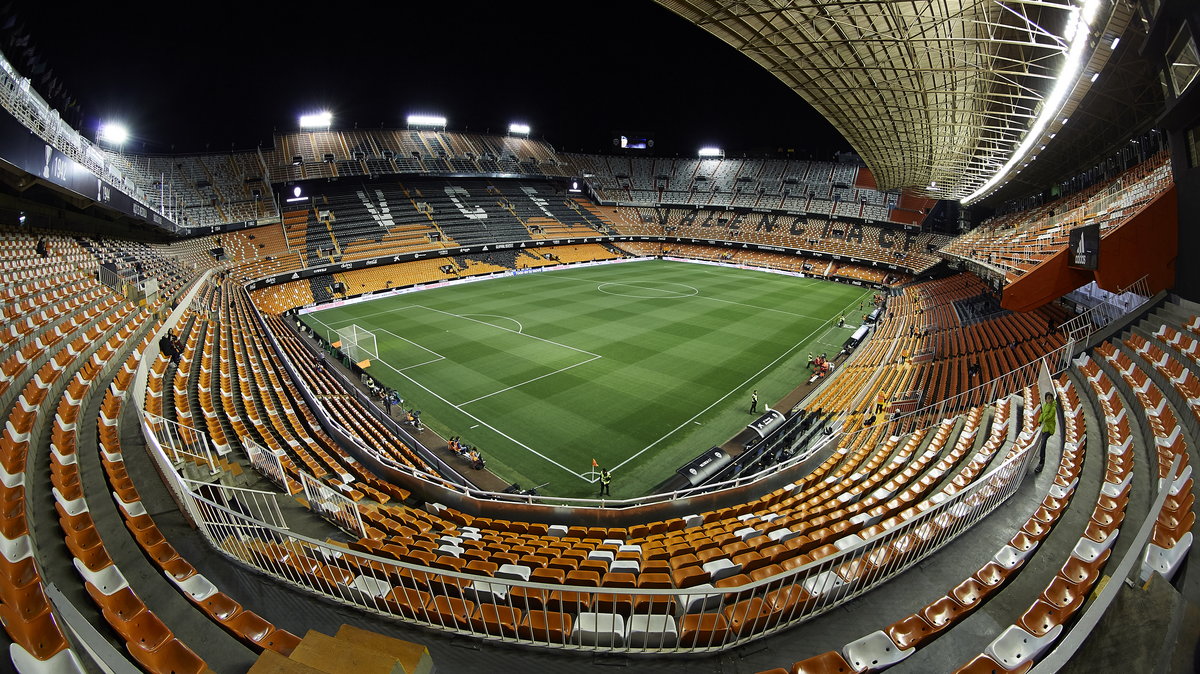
[922, 454]
[1019, 241]
[244, 489]
[834, 238]
[933, 424]
[875, 505]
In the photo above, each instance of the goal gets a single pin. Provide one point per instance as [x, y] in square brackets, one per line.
[358, 343]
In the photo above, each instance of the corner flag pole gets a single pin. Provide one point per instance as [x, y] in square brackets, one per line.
[592, 472]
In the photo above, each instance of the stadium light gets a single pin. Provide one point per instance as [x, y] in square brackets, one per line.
[427, 120]
[711, 152]
[518, 129]
[318, 120]
[1076, 35]
[113, 133]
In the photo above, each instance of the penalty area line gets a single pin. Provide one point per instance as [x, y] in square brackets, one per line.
[528, 381]
[481, 422]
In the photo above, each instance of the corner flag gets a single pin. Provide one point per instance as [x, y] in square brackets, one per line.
[594, 464]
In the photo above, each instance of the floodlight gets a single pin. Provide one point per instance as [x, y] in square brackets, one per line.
[518, 129]
[112, 132]
[316, 120]
[1095, 76]
[1116, 41]
[711, 152]
[426, 120]
[297, 195]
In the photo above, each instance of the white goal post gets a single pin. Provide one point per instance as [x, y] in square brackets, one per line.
[358, 343]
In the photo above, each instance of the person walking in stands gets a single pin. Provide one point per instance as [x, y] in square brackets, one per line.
[167, 345]
[1047, 418]
[605, 481]
[754, 402]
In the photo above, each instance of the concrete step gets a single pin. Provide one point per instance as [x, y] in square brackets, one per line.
[351, 651]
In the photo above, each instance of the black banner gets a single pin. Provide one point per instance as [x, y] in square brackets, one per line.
[205, 230]
[24, 149]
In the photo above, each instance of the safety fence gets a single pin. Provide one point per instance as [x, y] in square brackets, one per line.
[569, 610]
[1119, 304]
[266, 462]
[182, 442]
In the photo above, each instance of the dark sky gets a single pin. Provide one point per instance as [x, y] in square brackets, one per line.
[199, 76]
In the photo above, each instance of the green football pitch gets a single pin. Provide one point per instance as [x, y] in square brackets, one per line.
[640, 366]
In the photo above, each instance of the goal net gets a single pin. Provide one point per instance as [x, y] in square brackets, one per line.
[358, 343]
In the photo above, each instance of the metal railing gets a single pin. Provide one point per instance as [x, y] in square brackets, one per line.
[1056, 362]
[181, 442]
[255, 504]
[266, 462]
[1121, 303]
[325, 501]
[708, 616]
[20, 100]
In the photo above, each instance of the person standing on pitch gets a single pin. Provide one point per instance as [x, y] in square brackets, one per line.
[1047, 418]
[754, 402]
[605, 481]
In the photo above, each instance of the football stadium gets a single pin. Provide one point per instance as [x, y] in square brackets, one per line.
[418, 397]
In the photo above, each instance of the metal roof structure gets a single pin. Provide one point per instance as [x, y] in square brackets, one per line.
[948, 97]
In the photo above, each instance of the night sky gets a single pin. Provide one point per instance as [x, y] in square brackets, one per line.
[188, 77]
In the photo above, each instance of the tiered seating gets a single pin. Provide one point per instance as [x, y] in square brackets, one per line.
[1032, 634]
[1172, 537]
[256, 403]
[121, 607]
[783, 185]
[148, 640]
[39, 644]
[724, 550]
[278, 299]
[143, 259]
[807, 233]
[1018, 242]
[998, 345]
[207, 189]
[46, 324]
[388, 448]
[796, 263]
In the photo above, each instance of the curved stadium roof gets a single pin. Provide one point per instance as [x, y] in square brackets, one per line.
[944, 96]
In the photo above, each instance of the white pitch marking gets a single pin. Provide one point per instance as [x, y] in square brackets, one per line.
[409, 367]
[703, 297]
[540, 339]
[737, 388]
[481, 422]
[564, 369]
[520, 328]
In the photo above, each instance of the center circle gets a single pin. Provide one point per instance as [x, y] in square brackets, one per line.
[650, 293]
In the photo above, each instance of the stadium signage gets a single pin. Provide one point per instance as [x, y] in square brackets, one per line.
[28, 152]
[205, 230]
[466, 250]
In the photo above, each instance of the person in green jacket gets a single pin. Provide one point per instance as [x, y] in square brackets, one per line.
[1047, 417]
